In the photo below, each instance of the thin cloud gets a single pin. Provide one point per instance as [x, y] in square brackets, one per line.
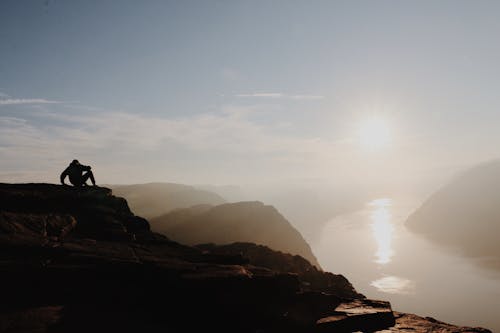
[225, 133]
[307, 97]
[281, 95]
[24, 101]
[265, 95]
[202, 145]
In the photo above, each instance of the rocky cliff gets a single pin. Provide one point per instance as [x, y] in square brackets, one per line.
[310, 277]
[78, 260]
[465, 214]
[234, 222]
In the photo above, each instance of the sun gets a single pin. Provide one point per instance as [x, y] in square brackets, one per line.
[374, 133]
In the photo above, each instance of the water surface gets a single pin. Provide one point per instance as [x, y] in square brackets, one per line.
[384, 260]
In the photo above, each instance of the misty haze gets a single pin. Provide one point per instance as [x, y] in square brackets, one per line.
[249, 166]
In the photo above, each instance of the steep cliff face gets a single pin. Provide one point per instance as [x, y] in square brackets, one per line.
[465, 214]
[234, 222]
[77, 260]
[57, 211]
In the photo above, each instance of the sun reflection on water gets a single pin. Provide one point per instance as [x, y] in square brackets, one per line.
[382, 229]
[394, 285]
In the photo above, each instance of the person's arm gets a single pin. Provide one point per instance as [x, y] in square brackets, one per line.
[63, 176]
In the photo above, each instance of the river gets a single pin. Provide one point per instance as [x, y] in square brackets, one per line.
[384, 260]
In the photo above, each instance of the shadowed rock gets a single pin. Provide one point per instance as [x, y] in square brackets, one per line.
[358, 315]
[311, 278]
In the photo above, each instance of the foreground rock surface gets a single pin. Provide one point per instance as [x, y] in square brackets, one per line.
[406, 322]
[311, 278]
[77, 260]
[358, 315]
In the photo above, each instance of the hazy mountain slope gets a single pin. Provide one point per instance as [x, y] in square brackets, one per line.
[465, 213]
[235, 222]
[308, 207]
[154, 199]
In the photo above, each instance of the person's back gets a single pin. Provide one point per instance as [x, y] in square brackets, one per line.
[78, 174]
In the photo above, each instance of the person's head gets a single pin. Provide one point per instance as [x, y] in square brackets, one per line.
[75, 162]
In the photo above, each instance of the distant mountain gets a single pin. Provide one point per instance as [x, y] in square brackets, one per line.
[250, 221]
[308, 207]
[154, 199]
[465, 214]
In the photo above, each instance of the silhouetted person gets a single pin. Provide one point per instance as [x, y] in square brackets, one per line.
[78, 174]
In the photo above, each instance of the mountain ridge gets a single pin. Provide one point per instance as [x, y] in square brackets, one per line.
[154, 199]
[464, 211]
[246, 221]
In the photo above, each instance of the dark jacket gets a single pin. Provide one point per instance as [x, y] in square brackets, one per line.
[74, 171]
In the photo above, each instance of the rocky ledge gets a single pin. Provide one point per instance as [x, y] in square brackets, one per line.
[78, 260]
[406, 322]
[310, 277]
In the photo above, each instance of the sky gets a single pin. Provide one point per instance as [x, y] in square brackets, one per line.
[249, 92]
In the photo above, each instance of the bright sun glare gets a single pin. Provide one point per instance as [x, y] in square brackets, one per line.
[374, 133]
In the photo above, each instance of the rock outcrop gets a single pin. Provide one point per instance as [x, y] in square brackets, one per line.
[155, 199]
[310, 277]
[234, 222]
[78, 260]
[358, 315]
[406, 322]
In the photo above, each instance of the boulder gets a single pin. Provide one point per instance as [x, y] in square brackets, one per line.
[358, 315]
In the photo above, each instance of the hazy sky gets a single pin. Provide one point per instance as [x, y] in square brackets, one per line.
[229, 92]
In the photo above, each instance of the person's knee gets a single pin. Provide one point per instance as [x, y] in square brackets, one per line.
[90, 176]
